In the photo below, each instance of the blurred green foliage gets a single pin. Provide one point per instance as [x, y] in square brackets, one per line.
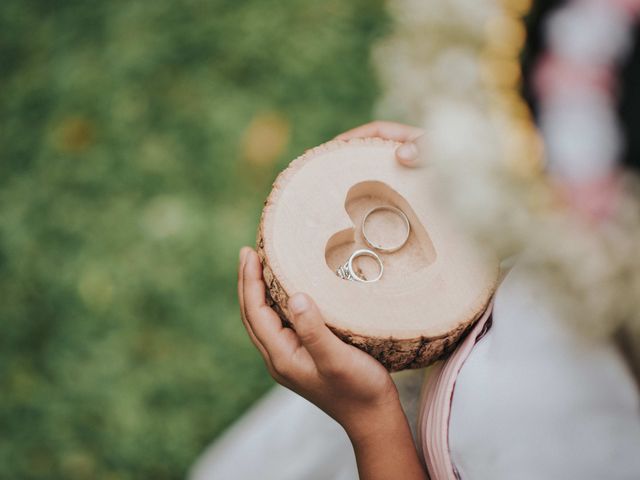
[125, 193]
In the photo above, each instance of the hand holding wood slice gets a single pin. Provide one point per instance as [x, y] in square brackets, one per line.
[432, 289]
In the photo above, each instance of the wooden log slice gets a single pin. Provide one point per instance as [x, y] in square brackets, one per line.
[432, 289]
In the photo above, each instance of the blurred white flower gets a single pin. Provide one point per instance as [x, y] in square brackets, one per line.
[582, 136]
[487, 157]
[590, 32]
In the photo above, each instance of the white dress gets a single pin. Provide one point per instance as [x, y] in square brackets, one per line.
[533, 400]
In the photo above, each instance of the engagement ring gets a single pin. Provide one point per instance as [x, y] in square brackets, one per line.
[347, 271]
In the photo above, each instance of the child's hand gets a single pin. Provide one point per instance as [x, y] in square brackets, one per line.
[349, 385]
[407, 153]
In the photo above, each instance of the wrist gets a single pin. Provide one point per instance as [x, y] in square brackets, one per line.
[375, 423]
[384, 447]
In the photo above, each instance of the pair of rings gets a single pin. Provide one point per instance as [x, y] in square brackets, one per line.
[347, 271]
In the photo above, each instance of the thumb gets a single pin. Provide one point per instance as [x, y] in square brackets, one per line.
[410, 153]
[323, 346]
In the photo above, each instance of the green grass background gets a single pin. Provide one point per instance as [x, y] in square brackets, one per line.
[124, 198]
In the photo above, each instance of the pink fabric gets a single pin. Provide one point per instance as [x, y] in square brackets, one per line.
[435, 406]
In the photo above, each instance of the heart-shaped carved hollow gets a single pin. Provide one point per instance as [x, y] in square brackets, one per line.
[417, 253]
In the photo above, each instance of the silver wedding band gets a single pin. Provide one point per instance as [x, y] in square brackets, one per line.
[381, 248]
[347, 272]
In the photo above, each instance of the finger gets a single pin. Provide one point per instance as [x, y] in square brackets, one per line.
[277, 340]
[324, 347]
[408, 154]
[243, 254]
[388, 130]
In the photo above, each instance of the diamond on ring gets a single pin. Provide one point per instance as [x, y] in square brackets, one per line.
[346, 271]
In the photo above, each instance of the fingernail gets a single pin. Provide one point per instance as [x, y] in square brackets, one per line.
[299, 303]
[252, 265]
[243, 254]
[407, 152]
